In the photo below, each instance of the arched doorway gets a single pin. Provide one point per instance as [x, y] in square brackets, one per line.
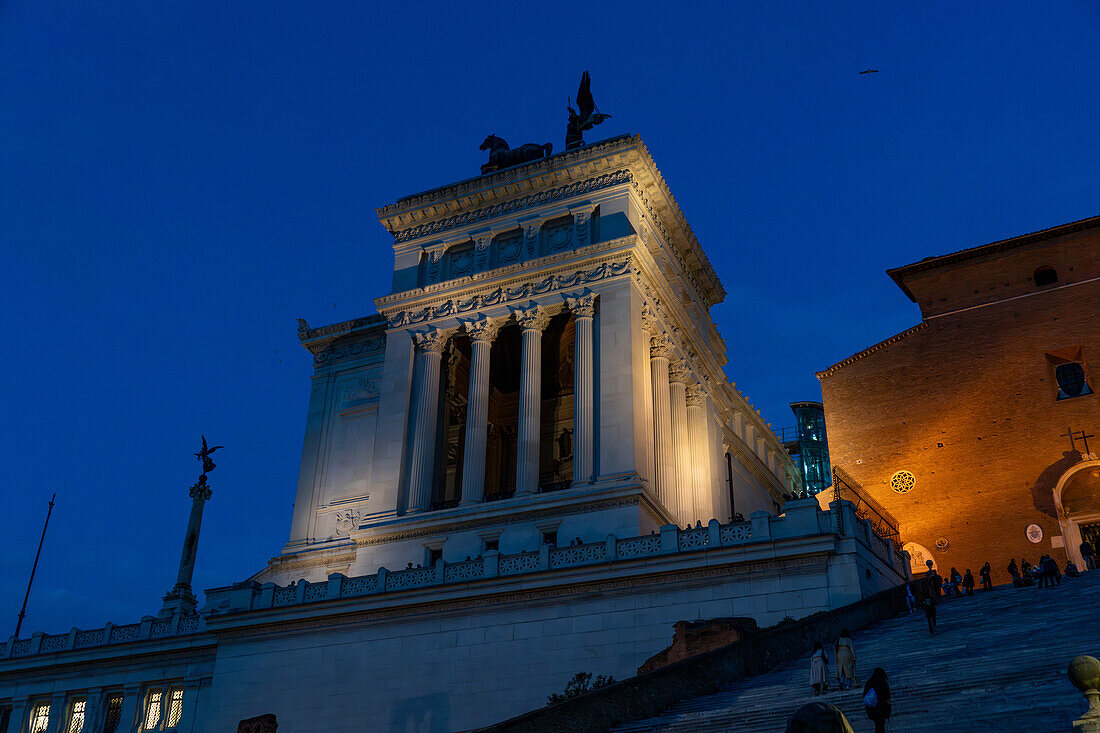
[1077, 499]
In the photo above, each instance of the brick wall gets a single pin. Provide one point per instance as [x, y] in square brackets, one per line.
[967, 403]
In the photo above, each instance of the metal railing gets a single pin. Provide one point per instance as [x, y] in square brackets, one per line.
[847, 489]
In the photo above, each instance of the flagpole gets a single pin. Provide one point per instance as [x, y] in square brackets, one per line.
[23, 610]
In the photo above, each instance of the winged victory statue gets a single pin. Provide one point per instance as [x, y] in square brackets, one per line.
[585, 117]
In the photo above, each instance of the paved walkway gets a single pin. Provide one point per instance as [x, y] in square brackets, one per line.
[997, 663]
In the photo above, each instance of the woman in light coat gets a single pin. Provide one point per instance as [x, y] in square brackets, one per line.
[819, 669]
[845, 660]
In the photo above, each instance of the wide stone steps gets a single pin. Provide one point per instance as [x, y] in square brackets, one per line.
[997, 663]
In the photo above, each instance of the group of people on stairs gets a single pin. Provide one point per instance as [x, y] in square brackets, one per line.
[876, 693]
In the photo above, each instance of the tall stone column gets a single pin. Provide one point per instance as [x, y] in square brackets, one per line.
[701, 462]
[532, 321]
[664, 459]
[429, 354]
[681, 442]
[649, 330]
[584, 310]
[482, 333]
[180, 599]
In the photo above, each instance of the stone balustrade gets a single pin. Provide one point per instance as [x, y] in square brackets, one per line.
[802, 518]
[149, 628]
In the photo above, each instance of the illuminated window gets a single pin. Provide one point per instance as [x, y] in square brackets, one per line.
[163, 708]
[40, 718]
[1045, 276]
[114, 714]
[152, 709]
[76, 717]
[1071, 380]
[902, 482]
[175, 708]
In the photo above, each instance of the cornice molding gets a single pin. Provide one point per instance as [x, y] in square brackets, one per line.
[481, 187]
[830, 371]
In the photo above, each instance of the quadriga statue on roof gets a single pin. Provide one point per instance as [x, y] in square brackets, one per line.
[501, 156]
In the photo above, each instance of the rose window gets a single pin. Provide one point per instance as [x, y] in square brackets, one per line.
[902, 482]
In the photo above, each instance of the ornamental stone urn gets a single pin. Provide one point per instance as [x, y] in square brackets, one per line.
[1084, 673]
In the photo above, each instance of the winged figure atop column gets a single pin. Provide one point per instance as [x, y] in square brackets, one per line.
[585, 117]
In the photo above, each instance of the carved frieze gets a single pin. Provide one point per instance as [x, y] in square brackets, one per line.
[505, 295]
[360, 392]
[536, 199]
[340, 350]
[345, 522]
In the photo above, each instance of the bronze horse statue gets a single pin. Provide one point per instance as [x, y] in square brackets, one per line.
[501, 156]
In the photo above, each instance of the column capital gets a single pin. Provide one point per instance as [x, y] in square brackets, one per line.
[582, 305]
[431, 340]
[200, 490]
[660, 346]
[678, 373]
[533, 317]
[695, 396]
[649, 318]
[482, 328]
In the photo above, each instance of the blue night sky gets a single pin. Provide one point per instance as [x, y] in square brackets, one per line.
[180, 180]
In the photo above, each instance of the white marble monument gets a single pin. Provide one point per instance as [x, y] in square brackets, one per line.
[530, 463]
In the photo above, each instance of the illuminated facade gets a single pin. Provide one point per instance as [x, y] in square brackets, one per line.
[974, 427]
[525, 465]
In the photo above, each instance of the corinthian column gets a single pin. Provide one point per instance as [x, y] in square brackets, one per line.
[649, 330]
[429, 350]
[681, 445]
[584, 310]
[482, 332]
[664, 459]
[701, 489]
[532, 321]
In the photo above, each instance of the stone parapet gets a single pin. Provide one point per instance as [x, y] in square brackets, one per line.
[149, 628]
[802, 519]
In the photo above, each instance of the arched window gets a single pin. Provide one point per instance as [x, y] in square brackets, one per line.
[1044, 276]
[1071, 380]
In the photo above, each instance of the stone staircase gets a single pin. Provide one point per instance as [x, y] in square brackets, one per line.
[997, 663]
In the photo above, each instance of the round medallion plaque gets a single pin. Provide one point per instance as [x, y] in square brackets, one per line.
[902, 482]
[1034, 533]
[942, 544]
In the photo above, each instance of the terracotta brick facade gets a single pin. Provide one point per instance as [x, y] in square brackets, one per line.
[966, 401]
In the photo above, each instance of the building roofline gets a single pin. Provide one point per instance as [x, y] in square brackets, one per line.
[829, 371]
[898, 274]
